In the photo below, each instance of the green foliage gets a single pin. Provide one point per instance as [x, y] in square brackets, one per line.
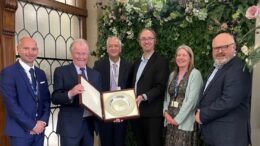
[194, 23]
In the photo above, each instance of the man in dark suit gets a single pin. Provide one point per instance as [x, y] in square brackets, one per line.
[26, 97]
[115, 76]
[75, 124]
[224, 108]
[150, 75]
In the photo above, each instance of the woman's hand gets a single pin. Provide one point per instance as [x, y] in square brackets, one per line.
[169, 119]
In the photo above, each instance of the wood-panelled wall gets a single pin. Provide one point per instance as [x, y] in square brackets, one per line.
[7, 38]
[7, 50]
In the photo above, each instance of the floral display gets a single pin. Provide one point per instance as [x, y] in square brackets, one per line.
[251, 54]
[177, 22]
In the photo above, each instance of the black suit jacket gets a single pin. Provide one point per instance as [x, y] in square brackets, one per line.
[103, 67]
[71, 113]
[225, 106]
[152, 82]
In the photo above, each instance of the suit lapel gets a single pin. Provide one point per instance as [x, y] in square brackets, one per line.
[25, 78]
[121, 72]
[107, 74]
[73, 73]
[148, 65]
[217, 75]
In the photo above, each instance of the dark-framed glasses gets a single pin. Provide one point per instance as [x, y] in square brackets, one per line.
[222, 48]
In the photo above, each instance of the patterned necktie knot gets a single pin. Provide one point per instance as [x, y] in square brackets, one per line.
[83, 73]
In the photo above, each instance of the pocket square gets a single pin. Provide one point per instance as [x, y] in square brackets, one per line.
[42, 82]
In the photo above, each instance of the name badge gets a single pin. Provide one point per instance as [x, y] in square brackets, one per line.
[175, 104]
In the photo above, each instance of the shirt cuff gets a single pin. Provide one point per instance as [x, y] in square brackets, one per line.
[144, 96]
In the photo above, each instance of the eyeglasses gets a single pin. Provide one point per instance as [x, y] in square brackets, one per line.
[147, 39]
[222, 48]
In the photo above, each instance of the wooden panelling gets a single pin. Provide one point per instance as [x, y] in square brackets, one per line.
[7, 37]
[7, 50]
[80, 11]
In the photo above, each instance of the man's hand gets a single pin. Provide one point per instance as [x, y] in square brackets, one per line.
[139, 99]
[118, 120]
[39, 128]
[78, 89]
[169, 119]
[197, 117]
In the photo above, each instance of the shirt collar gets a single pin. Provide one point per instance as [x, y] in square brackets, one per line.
[149, 56]
[78, 68]
[24, 65]
[117, 63]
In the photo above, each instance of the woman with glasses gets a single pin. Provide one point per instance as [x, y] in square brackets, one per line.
[181, 99]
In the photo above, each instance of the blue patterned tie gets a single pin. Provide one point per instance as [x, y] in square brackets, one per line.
[83, 73]
[33, 81]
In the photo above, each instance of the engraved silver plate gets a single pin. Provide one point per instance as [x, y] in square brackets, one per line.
[119, 105]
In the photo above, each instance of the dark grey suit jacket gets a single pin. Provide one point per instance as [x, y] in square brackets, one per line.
[103, 67]
[71, 113]
[225, 106]
[153, 82]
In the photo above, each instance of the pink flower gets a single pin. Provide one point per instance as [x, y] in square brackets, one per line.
[252, 12]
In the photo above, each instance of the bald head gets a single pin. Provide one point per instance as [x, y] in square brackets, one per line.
[223, 48]
[28, 50]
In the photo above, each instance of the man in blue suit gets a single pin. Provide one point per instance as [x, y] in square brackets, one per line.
[26, 97]
[75, 124]
[224, 108]
[113, 78]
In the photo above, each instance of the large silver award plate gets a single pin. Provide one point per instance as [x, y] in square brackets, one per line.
[110, 105]
[120, 104]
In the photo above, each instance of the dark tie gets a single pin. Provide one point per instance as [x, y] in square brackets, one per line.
[34, 90]
[83, 73]
[33, 80]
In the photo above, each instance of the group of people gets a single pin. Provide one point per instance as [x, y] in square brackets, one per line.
[218, 108]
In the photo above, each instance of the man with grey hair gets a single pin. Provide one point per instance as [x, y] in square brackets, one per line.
[75, 124]
[115, 72]
[224, 107]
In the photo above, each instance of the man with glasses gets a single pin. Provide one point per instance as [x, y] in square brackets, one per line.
[224, 107]
[150, 75]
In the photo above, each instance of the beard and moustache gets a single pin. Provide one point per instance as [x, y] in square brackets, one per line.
[223, 59]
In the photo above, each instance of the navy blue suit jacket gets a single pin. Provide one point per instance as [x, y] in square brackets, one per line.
[225, 106]
[71, 113]
[20, 102]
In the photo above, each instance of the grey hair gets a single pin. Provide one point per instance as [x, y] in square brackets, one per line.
[114, 37]
[82, 42]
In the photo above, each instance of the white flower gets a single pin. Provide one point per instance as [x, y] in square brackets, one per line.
[245, 50]
[203, 14]
[114, 31]
[130, 34]
[195, 12]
